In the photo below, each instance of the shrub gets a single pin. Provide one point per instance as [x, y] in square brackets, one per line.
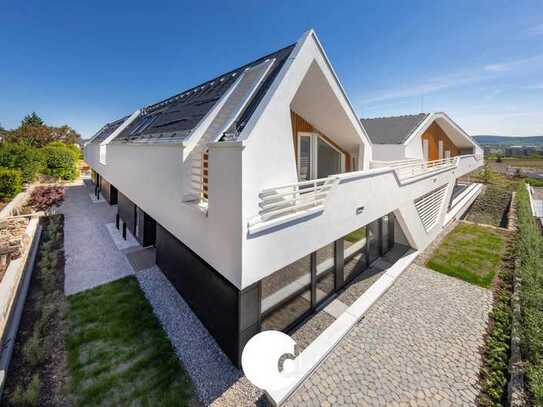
[29, 396]
[535, 182]
[10, 182]
[60, 162]
[44, 197]
[22, 157]
[33, 349]
[71, 147]
[530, 252]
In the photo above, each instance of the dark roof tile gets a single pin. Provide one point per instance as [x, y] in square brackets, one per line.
[392, 130]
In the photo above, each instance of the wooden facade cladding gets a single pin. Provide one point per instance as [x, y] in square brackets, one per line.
[434, 134]
[300, 125]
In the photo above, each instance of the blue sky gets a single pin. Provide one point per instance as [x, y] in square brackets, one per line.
[86, 63]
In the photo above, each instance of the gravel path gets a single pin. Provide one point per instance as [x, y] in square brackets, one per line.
[417, 346]
[211, 371]
[91, 257]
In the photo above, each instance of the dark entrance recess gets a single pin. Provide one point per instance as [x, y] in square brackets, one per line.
[109, 192]
[230, 315]
[146, 228]
[127, 212]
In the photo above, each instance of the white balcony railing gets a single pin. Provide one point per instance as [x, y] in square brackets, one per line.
[288, 202]
[291, 201]
[411, 170]
[396, 163]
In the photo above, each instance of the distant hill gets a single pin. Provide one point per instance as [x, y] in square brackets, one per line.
[509, 140]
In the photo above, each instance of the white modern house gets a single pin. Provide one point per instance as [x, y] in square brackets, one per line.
[265, 194]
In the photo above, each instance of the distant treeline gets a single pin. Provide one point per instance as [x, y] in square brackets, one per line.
[535, 140]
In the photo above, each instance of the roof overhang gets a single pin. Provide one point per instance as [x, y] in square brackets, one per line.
[457, 135]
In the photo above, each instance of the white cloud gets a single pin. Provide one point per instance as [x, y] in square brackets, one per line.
[455, 80]
[428, 86]
[496, 67]
[536, 30]
[505, 123]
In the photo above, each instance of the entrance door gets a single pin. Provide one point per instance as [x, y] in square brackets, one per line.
[317, 158]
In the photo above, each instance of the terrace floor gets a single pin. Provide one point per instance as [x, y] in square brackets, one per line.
[418, 345]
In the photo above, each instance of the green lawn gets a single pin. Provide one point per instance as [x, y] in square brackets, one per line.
[471, 253]
[118, 353]
[356, 235]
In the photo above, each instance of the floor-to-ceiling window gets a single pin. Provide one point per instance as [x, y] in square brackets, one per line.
[318, 158]
[286, 295]
[355, 256]
[374, 240]
[299, 288]
[325, 272]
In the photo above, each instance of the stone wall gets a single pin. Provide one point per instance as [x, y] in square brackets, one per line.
[13, 240]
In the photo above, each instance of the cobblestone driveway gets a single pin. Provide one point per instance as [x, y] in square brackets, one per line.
[418, 346]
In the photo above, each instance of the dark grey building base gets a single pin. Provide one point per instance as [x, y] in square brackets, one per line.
[231, 316]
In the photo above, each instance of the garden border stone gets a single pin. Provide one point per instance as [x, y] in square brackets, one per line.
[13, 290]
[15, 205]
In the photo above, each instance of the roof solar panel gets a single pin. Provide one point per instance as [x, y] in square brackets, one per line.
[175, 117]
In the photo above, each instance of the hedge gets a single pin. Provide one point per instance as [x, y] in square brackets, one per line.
[10, 182]
[530, 252]
[535, 182]
[60, 162]
[22, 157]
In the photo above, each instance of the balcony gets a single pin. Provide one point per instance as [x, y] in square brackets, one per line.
[287, 203]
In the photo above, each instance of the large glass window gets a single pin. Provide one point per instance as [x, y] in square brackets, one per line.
[373, 241]
[317, 158]
[286, 295]
[387, 227]
[325, 271]
[354, 253]
[305, 160]
[329, 160]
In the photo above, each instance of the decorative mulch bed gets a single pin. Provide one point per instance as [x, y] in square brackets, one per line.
[37, 374]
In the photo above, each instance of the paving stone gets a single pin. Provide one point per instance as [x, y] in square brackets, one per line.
[417, 346]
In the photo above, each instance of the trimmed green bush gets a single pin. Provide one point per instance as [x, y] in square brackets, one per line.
[10, 182]
[60, 162]
[71, 147]
[530, 252]
[27, 159]
[535, 182]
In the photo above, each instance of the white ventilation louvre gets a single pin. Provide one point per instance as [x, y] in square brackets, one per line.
[429, 207]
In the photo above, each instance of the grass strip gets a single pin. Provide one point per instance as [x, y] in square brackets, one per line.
[118, 352]
[471, 253]
[530, 252]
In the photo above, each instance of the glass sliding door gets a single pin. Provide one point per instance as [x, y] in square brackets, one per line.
[355, 255]
[305, 158]
[286, 295]
[318, 158]
[385, 234]
[329, 159]
[374, 240]
[325, 272]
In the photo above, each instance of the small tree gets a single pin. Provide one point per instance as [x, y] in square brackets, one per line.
[32, 120]
[22, 157]
[10, 182]
[60, 162]
[499, 158]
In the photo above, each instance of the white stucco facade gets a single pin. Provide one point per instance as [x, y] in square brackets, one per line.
[154, 177]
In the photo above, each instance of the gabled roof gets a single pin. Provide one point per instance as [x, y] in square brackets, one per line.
[392, 130]
[173, 119]
[107, 130]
